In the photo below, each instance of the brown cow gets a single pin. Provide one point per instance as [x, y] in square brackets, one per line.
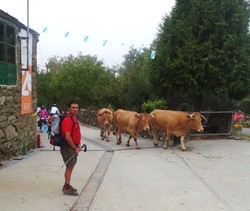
[104, 120]
[131, 122]
[176, 123]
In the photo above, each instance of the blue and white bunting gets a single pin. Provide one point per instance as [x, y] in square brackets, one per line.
[153, 53]
[66, 34]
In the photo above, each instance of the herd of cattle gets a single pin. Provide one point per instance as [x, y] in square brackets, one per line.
[177, 123]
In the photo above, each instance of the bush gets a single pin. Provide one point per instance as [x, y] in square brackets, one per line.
[149, 106]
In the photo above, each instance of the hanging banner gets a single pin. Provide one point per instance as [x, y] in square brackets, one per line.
[23, 35]
[26, 92]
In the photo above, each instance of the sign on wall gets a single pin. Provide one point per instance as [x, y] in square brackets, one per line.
[26, 67]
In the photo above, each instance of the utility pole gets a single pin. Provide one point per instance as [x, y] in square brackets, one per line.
[28, 34]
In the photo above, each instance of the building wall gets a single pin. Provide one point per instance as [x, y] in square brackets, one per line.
[17, 129]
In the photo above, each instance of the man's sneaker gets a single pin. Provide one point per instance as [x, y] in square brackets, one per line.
[70, 191]
[69, 187]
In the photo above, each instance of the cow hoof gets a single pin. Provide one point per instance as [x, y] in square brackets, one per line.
[185, 149]
[102, 139]
[118, 143]
[107, 140]
[138, 147]
[164, 147]
[156, 145]
[127, 145]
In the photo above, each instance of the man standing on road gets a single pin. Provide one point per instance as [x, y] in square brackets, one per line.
[72, 146]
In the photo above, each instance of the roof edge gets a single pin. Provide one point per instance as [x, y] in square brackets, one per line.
[17, 22]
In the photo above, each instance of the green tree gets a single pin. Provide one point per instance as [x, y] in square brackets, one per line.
[82, 78]
[203, 48]
[42, 90]
[133, 79]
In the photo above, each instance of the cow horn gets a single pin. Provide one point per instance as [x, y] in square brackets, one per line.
[203, 117]
[140, 116]
[191, 116]
[152, 115]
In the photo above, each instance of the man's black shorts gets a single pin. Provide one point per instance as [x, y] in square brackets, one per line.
[67, 152]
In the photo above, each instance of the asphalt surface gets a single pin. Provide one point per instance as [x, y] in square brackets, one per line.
[213, 175]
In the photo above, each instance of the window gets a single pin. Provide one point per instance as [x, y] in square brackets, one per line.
[7, 54]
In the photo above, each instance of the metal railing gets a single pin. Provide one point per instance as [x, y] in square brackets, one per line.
[218, 123]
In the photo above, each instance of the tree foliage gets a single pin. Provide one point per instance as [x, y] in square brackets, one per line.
[133, 79]
[202, 53]
[150, 105]
[86, 80]
[82, 78]
[203, 48]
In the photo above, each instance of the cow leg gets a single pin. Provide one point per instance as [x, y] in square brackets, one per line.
[101, 134]
[105, 132]
[107, 138]
[108, 131]
[166, 143]
[155, 138]
[182, 144]
[128, 141]
[118, 137]
[137, 146]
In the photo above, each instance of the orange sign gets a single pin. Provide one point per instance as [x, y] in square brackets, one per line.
[26, 107]
[26, 92]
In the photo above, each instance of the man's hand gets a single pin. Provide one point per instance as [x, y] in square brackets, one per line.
[80, 147]
[77, 150]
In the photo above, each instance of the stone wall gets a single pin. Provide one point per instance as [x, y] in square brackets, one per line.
[17, 129]
[88, 117]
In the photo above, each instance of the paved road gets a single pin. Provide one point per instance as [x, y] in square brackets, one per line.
[213, 176]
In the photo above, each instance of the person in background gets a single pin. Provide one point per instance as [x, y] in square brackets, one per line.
[43, 114]
[62, 112]
[38, 109]
[110, 107]
[54, 110]
[239, 116]
[49, 123]
[72, 146]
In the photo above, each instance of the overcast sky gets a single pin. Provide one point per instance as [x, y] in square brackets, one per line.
[105, 28]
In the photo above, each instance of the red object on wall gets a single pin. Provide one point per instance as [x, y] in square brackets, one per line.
[38, 141]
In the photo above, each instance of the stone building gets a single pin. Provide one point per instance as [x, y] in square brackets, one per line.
[18, 94]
